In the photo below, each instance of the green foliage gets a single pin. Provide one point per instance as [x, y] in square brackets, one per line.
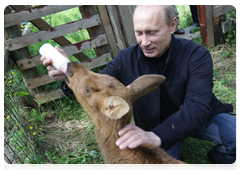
[230, 37]
[185, 16]
[23, 93]
[198, 40]
[81, 156]
[196, 29]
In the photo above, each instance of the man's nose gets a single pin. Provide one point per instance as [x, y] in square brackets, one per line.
[145, 41]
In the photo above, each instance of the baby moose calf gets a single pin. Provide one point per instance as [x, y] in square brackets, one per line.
[108, 102]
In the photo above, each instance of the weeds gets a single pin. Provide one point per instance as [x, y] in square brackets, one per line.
[198, 40]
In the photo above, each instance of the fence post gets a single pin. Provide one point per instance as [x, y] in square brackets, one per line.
[116, 26]
[88, 11]
[125, 13]
[8, 63]
[218, 33]
[205, 17]
[13, 32]
[108, 29]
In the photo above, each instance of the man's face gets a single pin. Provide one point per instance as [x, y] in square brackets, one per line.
[151, 31]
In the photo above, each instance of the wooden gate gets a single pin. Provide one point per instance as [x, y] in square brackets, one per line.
[105, 38]
[212, 25]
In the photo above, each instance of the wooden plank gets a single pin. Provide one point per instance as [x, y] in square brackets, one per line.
[116, 27]
[98, 41]
[228, 25]
[222, 9]
[54, 32]
[217, 28]
[210, 30]
[206, 24]
[125, 13]
[33, 13]
[111, 40]
[19, 7]
[201, 9]
[49, 96]
[94, 42]
[89, 64]
[132, 8]
[8, 62]
[103, 15]
[108, 29]
[38, 81]
[88, 11]
[98, 61]
[42, 25]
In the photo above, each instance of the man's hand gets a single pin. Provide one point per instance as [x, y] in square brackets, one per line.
[132, 136]
[52, 71]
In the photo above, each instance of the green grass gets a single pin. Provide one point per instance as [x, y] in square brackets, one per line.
[64, 132]
[195, 151]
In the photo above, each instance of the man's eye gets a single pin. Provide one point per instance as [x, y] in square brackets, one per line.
[152, 32]
[138, 33]
[86, 89]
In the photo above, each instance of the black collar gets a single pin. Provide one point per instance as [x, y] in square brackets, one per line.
[173, 49]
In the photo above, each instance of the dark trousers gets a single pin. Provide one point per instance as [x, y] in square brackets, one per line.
[193, 9]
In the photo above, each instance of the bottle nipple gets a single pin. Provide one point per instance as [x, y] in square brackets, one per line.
[64, 68]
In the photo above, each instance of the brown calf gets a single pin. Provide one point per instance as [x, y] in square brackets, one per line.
[108, 102]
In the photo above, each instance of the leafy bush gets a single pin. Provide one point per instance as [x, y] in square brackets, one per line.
[185, 16]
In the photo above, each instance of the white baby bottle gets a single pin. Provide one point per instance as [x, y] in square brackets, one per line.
[58, 60]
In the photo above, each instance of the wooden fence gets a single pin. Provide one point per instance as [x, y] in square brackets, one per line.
[110, 29]
[212, 23]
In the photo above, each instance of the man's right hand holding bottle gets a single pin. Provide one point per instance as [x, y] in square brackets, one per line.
[52, 71]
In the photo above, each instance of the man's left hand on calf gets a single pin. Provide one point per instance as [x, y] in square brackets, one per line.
[132, 136]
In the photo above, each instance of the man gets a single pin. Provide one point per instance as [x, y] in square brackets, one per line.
[184, 104]
[177, 30]
[193, 9]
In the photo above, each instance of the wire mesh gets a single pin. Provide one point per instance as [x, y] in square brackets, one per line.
[17, 138]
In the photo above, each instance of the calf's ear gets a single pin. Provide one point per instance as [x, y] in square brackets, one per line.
[145, 84]
[115, 107]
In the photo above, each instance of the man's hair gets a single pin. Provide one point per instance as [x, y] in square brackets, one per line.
[168, 15]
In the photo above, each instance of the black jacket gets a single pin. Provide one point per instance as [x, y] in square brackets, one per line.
[189, 72]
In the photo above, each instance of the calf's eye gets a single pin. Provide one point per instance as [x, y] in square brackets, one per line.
[87, 90]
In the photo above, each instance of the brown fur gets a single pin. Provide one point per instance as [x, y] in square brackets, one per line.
[101, 96]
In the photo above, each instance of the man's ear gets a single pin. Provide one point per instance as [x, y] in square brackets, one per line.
[145, 84]
[173, 25]
[115, 107]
